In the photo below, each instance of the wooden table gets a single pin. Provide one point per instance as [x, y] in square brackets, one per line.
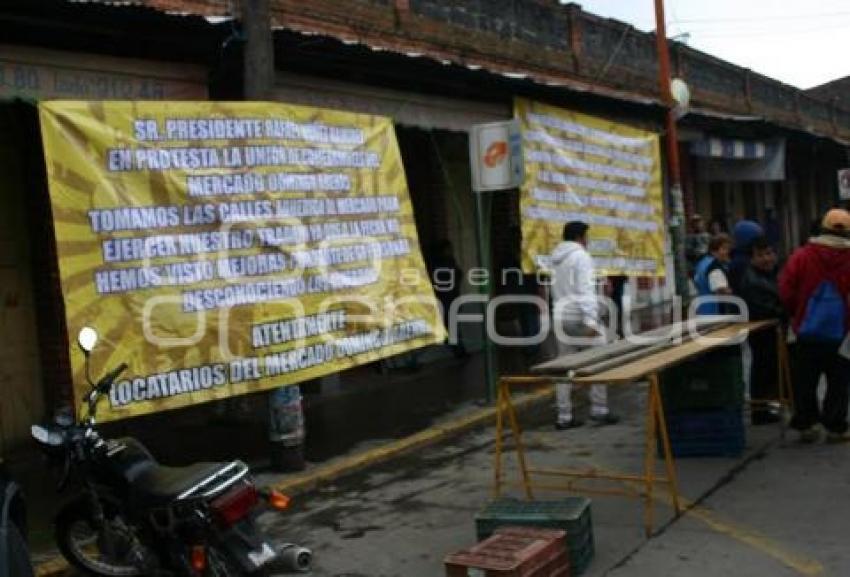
[645, 368]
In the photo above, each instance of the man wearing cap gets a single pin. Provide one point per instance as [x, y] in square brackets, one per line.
[575, 308]
[815, 289]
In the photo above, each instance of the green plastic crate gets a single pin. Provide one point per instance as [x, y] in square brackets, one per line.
[571, 514]
[712, 381]
[579, 563]
[717, 433]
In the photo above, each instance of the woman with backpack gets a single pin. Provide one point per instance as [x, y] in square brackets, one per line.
[815, 288]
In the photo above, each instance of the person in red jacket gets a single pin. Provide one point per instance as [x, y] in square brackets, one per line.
[814, 286]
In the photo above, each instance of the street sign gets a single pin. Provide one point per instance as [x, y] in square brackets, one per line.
[844, 184]
[495, 155]
[495, 151]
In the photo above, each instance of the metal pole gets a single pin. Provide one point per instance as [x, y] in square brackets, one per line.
[677, 219]
[286, 413]
[484, 262]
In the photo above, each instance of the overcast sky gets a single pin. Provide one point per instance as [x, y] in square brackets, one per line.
[801, 43]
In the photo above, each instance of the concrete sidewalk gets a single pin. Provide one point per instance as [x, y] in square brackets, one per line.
[784, 514]
[748, 517]
[402, 518]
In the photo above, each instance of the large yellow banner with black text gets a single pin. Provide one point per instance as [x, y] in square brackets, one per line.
[585, 168]
[227, 248]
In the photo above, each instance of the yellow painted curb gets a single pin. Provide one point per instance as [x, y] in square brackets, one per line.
[305, 481]
[348, 465]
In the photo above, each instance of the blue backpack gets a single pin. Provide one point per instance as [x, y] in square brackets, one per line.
[825, 315]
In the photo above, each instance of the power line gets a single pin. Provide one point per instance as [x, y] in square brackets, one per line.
[760, 18]
[764, 32]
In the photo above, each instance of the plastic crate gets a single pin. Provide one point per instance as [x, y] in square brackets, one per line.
[468, 564]
[556, 566]
[571, 514]
[712, 381]
[513, 552]
[706, 433]
[580, 563]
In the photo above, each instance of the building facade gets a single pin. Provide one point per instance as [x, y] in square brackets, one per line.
[434, 67]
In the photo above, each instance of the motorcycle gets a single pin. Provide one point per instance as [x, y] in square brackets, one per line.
[137, 517]
[14, 554]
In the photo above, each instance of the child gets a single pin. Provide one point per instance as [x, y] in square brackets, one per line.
[759, 287]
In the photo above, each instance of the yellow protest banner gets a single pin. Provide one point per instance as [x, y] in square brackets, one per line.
[580, 167]
[227, 248]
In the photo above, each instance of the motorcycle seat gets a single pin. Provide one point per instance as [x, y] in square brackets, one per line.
[161, 484]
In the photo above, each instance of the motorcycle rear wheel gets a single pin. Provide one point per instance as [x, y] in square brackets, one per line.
[79, 541]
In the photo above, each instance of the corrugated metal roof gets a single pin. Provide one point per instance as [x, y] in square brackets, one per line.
[546, 80]
[475, 64]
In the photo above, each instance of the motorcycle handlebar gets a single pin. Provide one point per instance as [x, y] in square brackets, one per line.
[103, 387]
[106, 382]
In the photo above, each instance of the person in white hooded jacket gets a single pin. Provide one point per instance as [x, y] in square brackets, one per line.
[575, 309]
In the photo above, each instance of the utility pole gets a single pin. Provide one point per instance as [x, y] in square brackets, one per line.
[677, 210]
[286, 413]
[259, 50]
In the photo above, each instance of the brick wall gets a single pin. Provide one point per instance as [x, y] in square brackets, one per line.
[511, 20]
[546, 40]
[551, 42]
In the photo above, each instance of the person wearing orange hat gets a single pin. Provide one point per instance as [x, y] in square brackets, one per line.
[837, 220]
[815, 289]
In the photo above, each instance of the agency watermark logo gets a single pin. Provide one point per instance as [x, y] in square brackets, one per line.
[296, 252]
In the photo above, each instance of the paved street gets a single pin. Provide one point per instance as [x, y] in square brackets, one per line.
[777, 511]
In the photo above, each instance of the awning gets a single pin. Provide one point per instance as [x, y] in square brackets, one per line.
[729, 160]
[729, 148]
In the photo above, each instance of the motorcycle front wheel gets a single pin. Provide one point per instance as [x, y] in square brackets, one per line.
[84, 545]
[18, 562]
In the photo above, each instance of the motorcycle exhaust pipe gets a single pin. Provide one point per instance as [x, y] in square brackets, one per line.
[293, 557]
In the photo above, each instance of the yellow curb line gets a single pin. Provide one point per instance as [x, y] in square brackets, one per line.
[749, 536]
[348, 465]
[755, 539]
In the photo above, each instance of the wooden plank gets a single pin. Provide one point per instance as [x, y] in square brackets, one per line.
[636, 370]
[561, 365]
[626, 358]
